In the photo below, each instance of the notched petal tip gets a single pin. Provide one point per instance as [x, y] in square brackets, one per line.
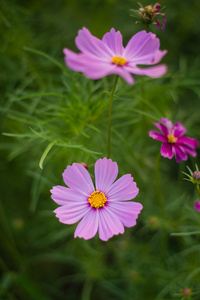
[83, 29]
[139, 206]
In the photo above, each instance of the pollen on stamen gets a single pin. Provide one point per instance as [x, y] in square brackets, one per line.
[171, 138]
[120, 61]
[97, 199]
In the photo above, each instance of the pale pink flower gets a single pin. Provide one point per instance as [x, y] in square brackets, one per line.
[103, 208]
[99, 58]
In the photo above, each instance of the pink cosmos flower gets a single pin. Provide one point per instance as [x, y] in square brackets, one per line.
[99, 58]
[105, 208]
[174, 143]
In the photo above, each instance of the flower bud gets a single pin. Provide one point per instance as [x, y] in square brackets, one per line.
[197, 206]
[186, 292]
[193, 177]
[18, 223]
[196, 175]
[84, 165]
[153, 222]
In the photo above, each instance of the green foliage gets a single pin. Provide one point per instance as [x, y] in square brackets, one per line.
[52, 117]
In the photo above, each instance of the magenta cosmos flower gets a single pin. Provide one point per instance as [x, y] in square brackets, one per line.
[174, 143]
[99, 58]
[105, 208]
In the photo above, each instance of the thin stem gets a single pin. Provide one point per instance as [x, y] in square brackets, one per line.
[109, 114]
[163, 243]
[147, 28]
[144, 119]
[198, 190]
[87, 289]
[158, 186]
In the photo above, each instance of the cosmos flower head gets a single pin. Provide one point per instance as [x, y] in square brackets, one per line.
[104, 208]
[99, 58]
[174, 141]
[149, 15]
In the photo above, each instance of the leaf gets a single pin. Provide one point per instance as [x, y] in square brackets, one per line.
[27, 96]
[55, 62]
[184, 233]
[44, 155]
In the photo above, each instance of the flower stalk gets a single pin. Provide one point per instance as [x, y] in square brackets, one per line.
[158, 186]
[109, 114]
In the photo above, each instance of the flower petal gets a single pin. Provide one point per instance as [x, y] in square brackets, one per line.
[139, 43]
[164, 21]
[178, 129]
[179, 153]
[167, 150]
[157, 136]
[158, 56]
[87, 228]
[153, 72]
[127, 212]
[105, 173]
[78, 179]
[74, 61]
[148, 59]
[188, 149]
[90, 45]
[167, 123]
[109, 224]
[61, 195]
[113, 40]
[122, 189]
[165, 131]
[96, 69]
[192, 143]
[166, 127]
[143, 48]
[122, 72]
[71, 212]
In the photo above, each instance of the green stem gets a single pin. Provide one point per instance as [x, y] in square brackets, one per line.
[87, 288]
[158, 186]
[144, 119]
[163, 236]
[198, 190]
[109, 114]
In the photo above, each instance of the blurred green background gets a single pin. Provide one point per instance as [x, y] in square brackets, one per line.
[42, 102]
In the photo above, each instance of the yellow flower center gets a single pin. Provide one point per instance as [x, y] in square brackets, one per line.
[150, 9]
[171, 138]
[97, 199]
[120, 61]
